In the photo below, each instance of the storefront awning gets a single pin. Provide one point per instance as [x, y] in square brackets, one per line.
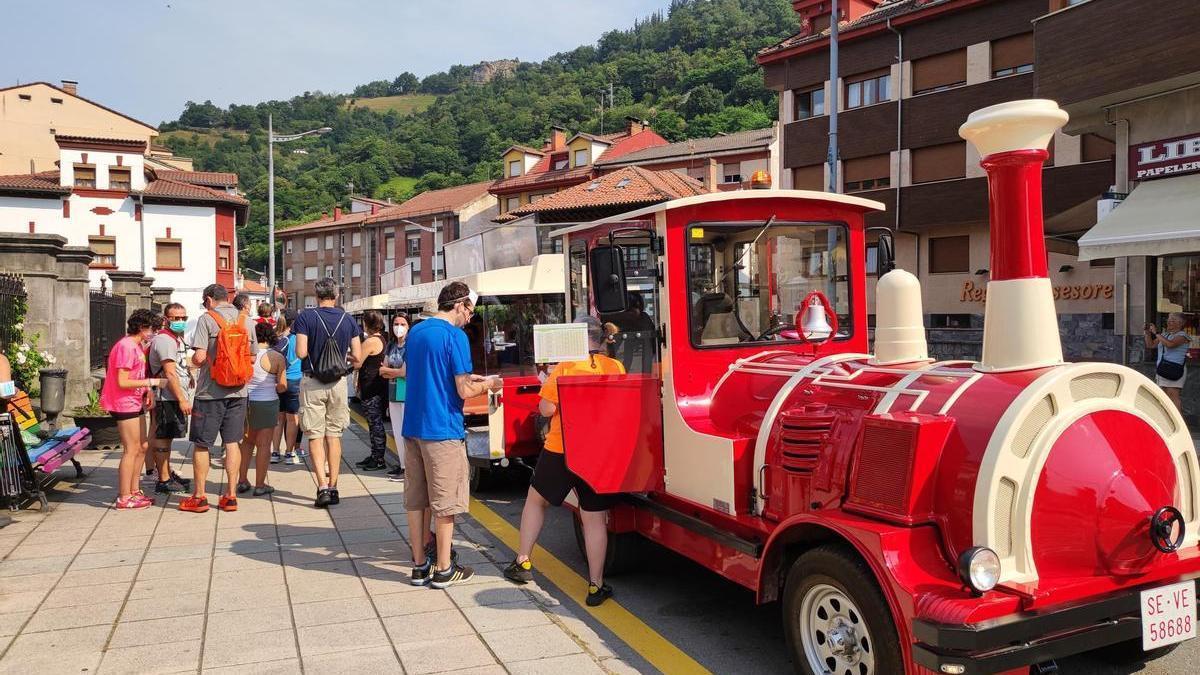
[1160, 217]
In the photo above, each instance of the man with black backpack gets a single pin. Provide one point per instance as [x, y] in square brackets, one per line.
[327, 342]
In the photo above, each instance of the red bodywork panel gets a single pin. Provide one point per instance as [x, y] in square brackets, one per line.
[612, 431]
[520, 398]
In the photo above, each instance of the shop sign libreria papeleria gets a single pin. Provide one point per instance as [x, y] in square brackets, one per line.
[973, 293]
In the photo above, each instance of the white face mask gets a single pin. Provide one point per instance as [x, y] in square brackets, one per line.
[400, 330]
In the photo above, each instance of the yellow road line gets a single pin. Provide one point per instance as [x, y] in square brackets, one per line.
[641, 638]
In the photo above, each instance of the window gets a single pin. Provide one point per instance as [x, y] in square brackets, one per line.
[950, 254]
[811, 177]
[776, 268]
[732, 173]
[1094, 148]
[389, 247]
[534, 198]
[867, 89]
[939, 162]
[85, 175]
[940, 71]
[809, 103]
[414, 246]
[328, 242]
[310, 273]
[514, 168]
[581, 157]
[287, 274]
[559, 162]
[119, 178]
[872, 260]
[310, 243]
[329, 270]
[416, 276]
[1102, 262]
[104, 251]
[867, 173]
[224, 257]
[356, 239]
[310, 301]
[511, 204]
[56, 100]
[287, 247]
[25, 97]
[1012, 55]
[949, 320]
[579, 280]
[356, 270]
[168, 254]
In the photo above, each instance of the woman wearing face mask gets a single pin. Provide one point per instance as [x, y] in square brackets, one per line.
[289, 401]
[126, 394]
[372, 390]
[393, 370]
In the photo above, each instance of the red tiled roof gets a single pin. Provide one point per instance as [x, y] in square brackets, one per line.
[329, 222]
[434, 201]
[107, 140]
[209, 178]
[173, 190]
[524, 148]
[630, 185]
[878, 15]
[252, 287]
[42, 182]
[541, 179]
[639, 141]
[742, 141]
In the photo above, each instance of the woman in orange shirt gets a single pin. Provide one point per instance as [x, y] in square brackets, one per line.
[553, 481]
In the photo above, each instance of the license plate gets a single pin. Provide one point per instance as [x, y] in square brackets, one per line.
[1168, 615]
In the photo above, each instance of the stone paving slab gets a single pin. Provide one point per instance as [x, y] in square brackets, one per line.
[276, 587]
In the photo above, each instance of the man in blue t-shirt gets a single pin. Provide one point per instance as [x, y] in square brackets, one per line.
[439, 379]
[324, 406]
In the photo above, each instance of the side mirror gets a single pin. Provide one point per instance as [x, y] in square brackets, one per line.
[886, 252]
[608, 278]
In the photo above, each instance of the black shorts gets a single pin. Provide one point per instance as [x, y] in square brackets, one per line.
[127, 415]
[169, 421]
[554, 481]
[224, 416]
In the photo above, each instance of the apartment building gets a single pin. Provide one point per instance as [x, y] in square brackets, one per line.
[909, 73]
[724, 162]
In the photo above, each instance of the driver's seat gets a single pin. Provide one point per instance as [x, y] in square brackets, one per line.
[715, 317]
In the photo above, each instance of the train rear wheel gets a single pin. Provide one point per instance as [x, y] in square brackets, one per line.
[835, 618]
[480, 478]
[621, 554]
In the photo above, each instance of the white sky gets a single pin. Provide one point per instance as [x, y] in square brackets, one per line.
[146, 58]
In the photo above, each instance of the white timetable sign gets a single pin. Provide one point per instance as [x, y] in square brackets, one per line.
[556, 342]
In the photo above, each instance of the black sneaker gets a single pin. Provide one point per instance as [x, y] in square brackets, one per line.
[598, 594]
[185, 482]
[365, 461]
[334, 497]
[431, 552]
[324, 499]
[373, 465]
[519, 572]
[396, 475]
[420, 575]
[170, 487]
[456, 574]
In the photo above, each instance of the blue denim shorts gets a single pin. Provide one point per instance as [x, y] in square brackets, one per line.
[289, 401]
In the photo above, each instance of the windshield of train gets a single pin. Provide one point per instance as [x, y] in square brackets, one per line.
[501, 332]
[746, 281]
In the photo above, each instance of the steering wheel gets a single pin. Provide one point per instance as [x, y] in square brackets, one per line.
[1167, 529]
[797, 332]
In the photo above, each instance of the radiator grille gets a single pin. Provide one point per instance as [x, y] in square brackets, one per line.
[882, 477]
[1153, 408]
[1032, 426]
[1005, 497]
[803, 434]
[1095, 385]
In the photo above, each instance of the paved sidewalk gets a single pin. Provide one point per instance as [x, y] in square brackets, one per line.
[277, 587]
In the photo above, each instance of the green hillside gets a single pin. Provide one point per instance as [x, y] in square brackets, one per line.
[689, 70]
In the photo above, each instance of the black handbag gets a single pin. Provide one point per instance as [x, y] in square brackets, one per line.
[1169, 370]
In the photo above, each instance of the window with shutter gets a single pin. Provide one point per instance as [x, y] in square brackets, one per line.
[119, 178]
[940, 71]
[939, 162]
[104, 251]
[867, 173]
[950, 254]
[168, 254]
[1012, 55]
[810, 177]
[85, 175]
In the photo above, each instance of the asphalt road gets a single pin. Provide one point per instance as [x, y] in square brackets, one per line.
[716, 621]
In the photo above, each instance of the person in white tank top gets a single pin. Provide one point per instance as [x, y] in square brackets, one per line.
[267, 381]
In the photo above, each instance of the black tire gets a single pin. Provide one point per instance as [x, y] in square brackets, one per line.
[480, 478]
[826, 571]
[621, 554]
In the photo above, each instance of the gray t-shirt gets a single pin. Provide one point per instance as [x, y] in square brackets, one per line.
[205, 337]
[166, 348]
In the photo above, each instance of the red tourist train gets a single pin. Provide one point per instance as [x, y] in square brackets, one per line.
[909, 515]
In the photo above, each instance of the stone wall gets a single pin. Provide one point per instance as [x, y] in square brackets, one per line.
[1083, 339]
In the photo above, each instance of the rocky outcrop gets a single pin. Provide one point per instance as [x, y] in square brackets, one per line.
[487, 71]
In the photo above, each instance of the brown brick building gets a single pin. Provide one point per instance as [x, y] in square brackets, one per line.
[910, 71]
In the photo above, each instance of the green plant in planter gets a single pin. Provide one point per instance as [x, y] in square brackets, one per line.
[26, 360]
[92, 409]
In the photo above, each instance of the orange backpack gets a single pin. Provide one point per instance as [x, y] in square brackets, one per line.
[232, 365]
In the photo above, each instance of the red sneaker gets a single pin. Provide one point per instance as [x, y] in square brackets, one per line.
[227, 503]
[194, 504]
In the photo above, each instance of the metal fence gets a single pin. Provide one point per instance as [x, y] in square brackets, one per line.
[12, 309]
[106, 314]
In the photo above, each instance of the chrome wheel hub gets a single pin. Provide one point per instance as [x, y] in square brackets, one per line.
[834, 634]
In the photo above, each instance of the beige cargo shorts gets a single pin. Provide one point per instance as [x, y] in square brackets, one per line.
[436, 476]
[324, 408]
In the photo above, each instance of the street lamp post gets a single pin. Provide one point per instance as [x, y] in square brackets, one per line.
[272, 139]
[434, 232]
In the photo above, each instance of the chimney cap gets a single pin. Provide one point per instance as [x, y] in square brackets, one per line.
[69, 81]
[558, 127]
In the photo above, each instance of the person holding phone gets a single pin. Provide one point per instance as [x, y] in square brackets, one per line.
[126, 394]
[1172, 345]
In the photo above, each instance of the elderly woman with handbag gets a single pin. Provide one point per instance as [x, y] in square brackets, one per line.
[1172, 345]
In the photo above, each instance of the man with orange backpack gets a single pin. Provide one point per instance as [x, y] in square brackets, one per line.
[224, 346]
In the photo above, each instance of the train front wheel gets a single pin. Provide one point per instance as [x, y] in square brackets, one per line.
[620, 555]
[836, 620]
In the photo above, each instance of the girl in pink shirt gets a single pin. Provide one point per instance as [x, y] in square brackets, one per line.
[124, 395]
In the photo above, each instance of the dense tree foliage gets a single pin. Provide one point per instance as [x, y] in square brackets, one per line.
[689, 70]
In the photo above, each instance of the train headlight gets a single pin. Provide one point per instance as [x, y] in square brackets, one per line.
[979, 567]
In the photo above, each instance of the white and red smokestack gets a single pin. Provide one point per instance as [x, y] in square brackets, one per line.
[1020, 324]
